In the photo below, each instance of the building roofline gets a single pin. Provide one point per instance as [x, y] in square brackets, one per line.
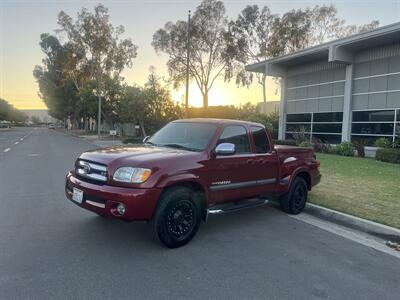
[353, 39]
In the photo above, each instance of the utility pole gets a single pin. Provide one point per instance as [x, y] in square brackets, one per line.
[99, 111]
[187, 66]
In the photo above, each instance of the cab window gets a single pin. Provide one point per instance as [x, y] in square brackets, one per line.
[236, 135]
[260, 139]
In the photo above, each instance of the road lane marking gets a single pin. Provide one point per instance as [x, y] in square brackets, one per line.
[33, 154]
[6, 150]
[16, 143]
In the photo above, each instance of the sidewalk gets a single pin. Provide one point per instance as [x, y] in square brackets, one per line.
[105, 141]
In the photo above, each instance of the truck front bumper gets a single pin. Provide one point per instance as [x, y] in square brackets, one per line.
[104, 199]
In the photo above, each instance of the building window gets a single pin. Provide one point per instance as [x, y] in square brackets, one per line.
[373, 116]
[328, 117]
[326, 127]
[299, 118]
[329, 138]
[371, 125]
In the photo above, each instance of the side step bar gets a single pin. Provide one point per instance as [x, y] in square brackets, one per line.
[236, 206]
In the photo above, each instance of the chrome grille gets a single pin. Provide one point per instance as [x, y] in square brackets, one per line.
[90, 170]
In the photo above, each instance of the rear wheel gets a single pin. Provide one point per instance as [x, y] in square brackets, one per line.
[177, 217]
[295, 201]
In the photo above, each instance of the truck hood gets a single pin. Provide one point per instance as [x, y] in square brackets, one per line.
[144, 155]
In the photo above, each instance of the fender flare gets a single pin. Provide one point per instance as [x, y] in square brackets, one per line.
[301, 169]
[183, 178]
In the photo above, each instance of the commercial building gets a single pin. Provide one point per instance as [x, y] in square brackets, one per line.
[344, 90]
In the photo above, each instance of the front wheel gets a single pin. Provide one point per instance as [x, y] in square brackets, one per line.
[295, 201]
[177, 217]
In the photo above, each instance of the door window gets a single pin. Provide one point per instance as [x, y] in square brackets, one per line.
[236, 135]
[260, 139]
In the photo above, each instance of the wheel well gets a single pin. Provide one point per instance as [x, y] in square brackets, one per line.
[195, 186]
[307, 179]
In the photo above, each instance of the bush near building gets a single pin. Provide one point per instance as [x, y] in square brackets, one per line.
[391, 155]
[345, 149]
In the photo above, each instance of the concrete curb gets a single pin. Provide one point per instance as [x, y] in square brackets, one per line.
[372, 228]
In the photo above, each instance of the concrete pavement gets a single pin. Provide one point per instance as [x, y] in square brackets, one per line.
[52, 249]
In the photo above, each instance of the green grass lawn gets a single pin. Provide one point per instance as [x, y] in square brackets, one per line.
[362, 187]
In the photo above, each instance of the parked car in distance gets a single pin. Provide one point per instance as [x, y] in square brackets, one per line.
[51, 126]
[5, 124]
[189, 169]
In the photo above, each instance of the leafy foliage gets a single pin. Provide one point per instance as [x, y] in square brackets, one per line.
[383, 143]
[391, 155]
[10, 113]
[151, 107]
[321, 147]
[86, 65]
[285, 142]
[206, 64]
[300, 135]
[345, 149]
[257, 35]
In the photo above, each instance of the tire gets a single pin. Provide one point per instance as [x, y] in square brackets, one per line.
[294, 202]
[177, 217]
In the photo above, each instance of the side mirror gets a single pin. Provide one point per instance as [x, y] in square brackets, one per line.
[146, 138]
[225, 149]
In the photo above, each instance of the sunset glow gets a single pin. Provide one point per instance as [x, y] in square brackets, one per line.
[20, 51]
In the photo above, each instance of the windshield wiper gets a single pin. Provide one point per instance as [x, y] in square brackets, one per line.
[179, 146]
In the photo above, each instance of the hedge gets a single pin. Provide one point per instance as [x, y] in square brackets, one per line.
[391, 155]
[285, 142]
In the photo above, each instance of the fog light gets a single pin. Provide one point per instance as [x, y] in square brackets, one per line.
[121, 209]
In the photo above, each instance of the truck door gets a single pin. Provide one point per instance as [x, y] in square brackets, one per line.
[265, 163]
[233, 177]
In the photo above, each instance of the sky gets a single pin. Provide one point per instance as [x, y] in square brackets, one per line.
[22, 22]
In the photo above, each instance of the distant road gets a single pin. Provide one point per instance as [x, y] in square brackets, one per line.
[52, 249]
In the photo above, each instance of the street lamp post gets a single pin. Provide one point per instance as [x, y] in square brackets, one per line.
[99, 117]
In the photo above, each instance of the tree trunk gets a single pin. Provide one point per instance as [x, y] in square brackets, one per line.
[205, 99]
[264, 88]
[142, 128]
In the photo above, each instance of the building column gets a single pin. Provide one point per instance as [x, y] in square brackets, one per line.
[282, 111]
[347, 104]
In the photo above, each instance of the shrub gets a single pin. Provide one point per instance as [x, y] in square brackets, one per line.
[319, 146]
[305, 144]
[391, 155]
[300, 135]
[345, 149]
[360, 147]
[285, 142]
[383, 143]
[132, 140]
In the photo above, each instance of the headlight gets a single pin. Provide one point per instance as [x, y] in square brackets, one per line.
[131, 175]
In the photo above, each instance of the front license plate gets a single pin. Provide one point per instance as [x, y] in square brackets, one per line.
[77, 195]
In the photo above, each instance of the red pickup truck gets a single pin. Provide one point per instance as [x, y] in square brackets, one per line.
[188, 170]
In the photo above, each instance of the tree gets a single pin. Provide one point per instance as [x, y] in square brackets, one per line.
[35, 119]
[96, 47]
[151, 107]
[327, 26]
[88, 63]
[257, 35]
[58, 93]
[247, 41]
[10, 113]
[206, 45]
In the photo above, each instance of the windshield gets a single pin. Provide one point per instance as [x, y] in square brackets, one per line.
[184, 135]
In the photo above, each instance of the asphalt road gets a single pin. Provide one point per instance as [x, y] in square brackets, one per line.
[52, 249]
